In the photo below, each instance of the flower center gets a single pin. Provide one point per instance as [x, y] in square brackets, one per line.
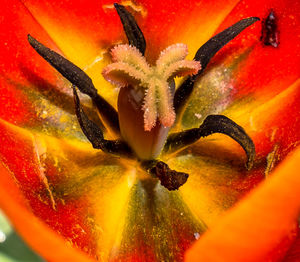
[147, 99]
[148, 90]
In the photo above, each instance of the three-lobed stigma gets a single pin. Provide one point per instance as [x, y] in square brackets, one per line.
[131, 68]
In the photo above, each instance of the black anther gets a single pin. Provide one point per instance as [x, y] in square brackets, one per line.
[95, 135]
[213, 124]
[133, 32]
[80, 79]
[204, 55]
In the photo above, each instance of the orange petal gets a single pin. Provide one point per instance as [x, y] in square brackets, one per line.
[256, 226]
[98, 23]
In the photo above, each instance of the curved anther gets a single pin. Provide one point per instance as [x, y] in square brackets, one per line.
[95, 135]
[170, 179]
[213, 124]
[204, 55]
[80, 79]
[133, 32]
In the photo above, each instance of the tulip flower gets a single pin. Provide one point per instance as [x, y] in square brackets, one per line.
[82, 182]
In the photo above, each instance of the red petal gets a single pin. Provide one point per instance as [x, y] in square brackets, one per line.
[20, 153]
[265, 70]
[162, 23]
[20, 65]
[266, 122]
[43, 240]
[293, 254]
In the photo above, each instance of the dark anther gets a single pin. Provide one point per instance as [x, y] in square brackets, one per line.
[133, 32]
[204, 55]
[80, 79]
[70, 71]
[94, 133]
[169, 178]
[213, 124]
[269, 30]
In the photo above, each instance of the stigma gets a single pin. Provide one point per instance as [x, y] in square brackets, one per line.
[130, 68]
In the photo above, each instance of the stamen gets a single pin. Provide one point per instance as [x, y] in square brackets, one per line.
[170, 179]
[95, 135]
[80, 79]
[70, 71]
[211, 125]
[204, 54]
[133, 32]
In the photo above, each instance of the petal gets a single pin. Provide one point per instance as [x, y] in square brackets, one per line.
[92, 193]
[245, 69]
[36, 233]
[32, 94]
[18, 66]
[293, 253]
[165, 21]
[267, 121]
[217, 176]
[60, 182]
[160, 21]
[220, 180]
[157, 222]
[254, 228]
[79, 29]
[266, 70]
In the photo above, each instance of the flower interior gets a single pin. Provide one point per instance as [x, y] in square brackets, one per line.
[148, 101]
